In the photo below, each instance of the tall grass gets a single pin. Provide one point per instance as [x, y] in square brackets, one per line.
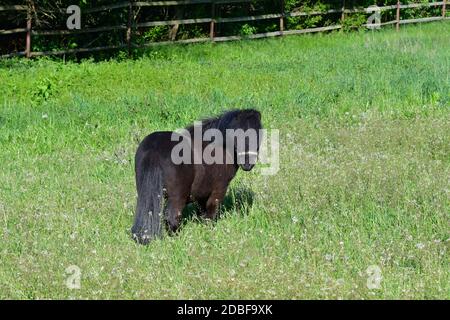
[364, 178]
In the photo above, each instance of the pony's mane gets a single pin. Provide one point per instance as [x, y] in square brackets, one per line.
[223, 121]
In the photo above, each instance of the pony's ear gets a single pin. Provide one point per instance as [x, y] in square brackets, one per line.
[249, 114]
[255, 113]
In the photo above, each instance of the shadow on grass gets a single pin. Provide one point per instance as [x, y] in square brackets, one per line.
[237, 200]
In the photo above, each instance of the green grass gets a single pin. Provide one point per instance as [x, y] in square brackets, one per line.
[365, 163]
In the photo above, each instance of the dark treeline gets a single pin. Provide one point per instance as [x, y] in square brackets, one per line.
[51, 15]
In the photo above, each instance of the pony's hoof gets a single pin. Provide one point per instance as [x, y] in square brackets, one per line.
[141, 238]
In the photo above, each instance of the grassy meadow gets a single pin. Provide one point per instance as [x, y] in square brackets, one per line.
[363, 184]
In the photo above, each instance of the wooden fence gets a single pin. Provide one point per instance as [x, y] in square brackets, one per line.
[131, 24]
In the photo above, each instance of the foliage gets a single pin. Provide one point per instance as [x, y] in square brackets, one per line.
[353, 21]
[247, 30]
[156, 34]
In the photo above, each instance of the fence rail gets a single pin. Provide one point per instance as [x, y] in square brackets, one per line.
[13, 8]
[211, 20]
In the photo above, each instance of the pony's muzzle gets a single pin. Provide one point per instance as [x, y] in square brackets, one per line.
[247, 160]
[247, 166]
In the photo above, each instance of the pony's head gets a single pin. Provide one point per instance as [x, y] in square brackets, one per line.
[243, 132]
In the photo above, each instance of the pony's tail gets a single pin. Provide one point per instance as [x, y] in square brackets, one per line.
[147, 220]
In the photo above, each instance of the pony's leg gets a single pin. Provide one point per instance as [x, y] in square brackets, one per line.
[174, 209]
[212, 205]
[201, 205]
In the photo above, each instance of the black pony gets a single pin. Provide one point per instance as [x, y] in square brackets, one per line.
[161, 179]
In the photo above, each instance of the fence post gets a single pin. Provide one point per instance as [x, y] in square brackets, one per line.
[28, 36]
[397, 25]
[282, 17]
[444, 8]
[211, 25]
[130, 19]
[343, 12]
